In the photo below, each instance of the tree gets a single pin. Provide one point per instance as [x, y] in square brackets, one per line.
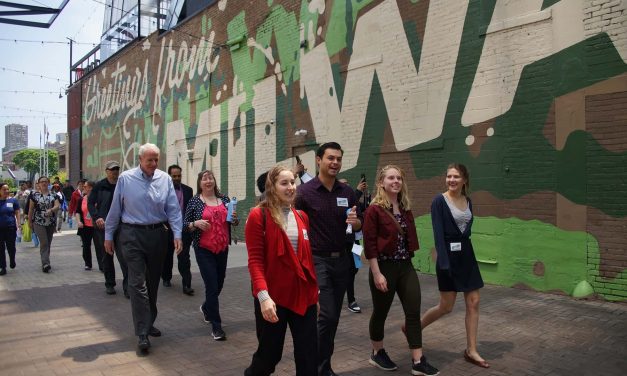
[29, 159]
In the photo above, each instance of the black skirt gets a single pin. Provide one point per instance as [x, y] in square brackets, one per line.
[464, 274]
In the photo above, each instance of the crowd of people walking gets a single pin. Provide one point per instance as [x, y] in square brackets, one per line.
[303, 241]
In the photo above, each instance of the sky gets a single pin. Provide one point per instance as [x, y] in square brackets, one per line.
[80, 20]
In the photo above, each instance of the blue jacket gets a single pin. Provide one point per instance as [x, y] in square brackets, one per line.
[445, 231]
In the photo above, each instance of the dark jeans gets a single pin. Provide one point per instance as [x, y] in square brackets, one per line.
[144, 251]
[184, 263]
[332, 274]
[272, 337]
[350, 288]
[213, 271]
[402, 280]
[87, 235]
[7, 241]
[107, 261]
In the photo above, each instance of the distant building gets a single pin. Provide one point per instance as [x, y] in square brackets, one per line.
[60, 146]
[15, 137]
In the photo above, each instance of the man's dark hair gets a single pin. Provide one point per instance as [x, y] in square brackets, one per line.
[328, 145]
[261, 182]
[172, 167]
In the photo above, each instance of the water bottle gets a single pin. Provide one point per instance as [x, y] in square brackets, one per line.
[232, 208]
[349, 227]
[70, 222]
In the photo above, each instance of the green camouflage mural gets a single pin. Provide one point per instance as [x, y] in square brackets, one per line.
[530, 95]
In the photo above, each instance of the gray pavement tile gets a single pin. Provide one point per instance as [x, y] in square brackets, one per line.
[63, 323]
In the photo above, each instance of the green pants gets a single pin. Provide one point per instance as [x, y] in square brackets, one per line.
[402, 280]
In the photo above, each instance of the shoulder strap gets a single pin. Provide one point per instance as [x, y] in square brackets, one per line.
[398, 226]
[263, 215]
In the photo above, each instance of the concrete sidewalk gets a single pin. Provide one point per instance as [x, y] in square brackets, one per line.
[63, 323]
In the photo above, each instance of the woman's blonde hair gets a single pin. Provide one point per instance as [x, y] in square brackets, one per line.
[272, 202]
[381, 198]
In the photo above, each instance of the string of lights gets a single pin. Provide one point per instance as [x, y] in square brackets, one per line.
[32, 74]
[34, 117]
[31, 110]
[67, 42]
[28, 92]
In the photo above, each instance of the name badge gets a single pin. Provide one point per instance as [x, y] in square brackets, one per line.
[305, 236]
[342, 201]
[10, 205]
[456, 247]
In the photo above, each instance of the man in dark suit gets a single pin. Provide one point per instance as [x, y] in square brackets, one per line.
[183, 194]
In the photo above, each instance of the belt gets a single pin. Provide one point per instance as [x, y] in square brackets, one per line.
[329, 254]
[148, 227]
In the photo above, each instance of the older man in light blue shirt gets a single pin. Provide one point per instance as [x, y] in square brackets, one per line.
[143, 209]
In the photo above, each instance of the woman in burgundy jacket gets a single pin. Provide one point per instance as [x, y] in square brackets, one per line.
[390, 240]
[283, 277]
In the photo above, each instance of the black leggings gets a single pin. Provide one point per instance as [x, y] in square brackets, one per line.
[402, 280]
[7, 241]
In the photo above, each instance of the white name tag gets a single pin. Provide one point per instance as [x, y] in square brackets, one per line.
[342, 201]
[305, 236]
[456, 247]
[357, 249]
[10, 205]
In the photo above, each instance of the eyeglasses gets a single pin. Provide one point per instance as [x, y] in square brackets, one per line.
[113, 169]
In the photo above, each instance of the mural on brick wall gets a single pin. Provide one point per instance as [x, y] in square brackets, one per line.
[531, 95]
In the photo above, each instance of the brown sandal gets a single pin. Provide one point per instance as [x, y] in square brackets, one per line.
[480, 363]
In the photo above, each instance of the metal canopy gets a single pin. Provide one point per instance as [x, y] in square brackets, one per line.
[27, 11]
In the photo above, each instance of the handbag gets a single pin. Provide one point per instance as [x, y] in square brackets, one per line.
[26, 232]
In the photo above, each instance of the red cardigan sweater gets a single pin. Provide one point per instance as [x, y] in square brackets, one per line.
[289, 278]
[381, 234]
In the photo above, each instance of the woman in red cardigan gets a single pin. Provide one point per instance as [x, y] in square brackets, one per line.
[283, 278]
[390, 240]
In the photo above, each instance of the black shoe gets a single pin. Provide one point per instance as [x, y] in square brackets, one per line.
[204, 315]
[46, 268]
[218, 334]
[382, 361]
[154, 332]
[423, 368]
[110, 290]
[354, 307]
[143, 343]
[12, 264]
[3, 271]
[188, 291]
[167, 284]
[126, 295]
[87, 267]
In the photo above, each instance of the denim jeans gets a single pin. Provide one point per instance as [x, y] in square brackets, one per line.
[213, 271]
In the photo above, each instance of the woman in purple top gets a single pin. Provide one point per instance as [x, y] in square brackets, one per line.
[9, 218]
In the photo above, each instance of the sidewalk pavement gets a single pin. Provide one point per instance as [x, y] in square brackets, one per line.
[63, 323]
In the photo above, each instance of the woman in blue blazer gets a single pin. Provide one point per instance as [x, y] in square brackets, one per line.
[456, 268]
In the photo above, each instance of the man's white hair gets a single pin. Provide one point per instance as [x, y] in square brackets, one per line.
[148, 146]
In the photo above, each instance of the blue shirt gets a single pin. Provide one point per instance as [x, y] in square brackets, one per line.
[7, 212]
[144, 200]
